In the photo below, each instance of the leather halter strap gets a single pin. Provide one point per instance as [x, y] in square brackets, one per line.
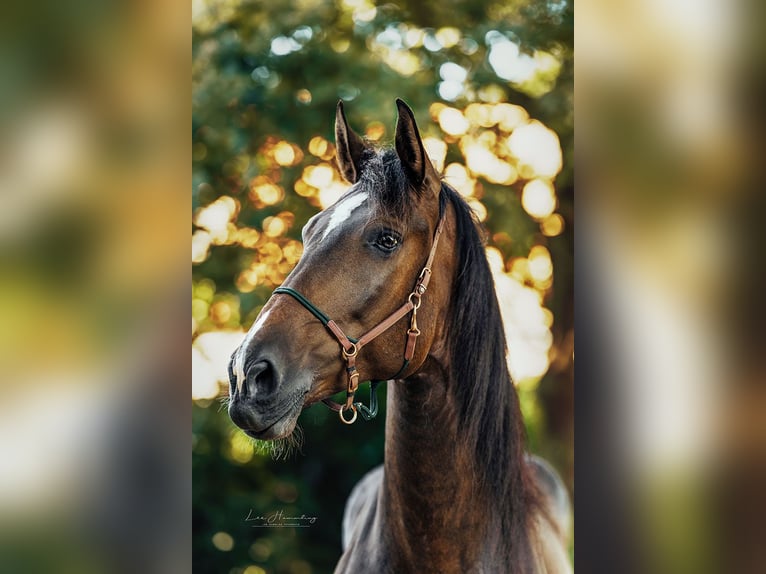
[350, 347]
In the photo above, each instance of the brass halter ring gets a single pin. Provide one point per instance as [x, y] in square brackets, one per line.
[347, 354]
[353, 417]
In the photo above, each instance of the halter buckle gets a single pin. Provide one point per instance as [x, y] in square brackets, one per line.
[421, 288]
[353, 382]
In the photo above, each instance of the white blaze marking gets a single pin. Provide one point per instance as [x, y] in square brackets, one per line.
[239, 364]
[342, 210]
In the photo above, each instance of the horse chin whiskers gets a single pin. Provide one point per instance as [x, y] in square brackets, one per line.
[281, 448]
[224, 402]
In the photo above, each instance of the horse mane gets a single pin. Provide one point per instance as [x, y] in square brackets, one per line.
[487, 405]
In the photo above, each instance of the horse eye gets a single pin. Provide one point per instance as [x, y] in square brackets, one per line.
[387, 241]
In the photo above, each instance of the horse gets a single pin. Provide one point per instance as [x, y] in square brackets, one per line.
[400, 259]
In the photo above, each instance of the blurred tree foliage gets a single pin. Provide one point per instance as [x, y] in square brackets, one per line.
[266, 78]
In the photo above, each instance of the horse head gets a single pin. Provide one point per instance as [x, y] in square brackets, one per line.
[364, 265]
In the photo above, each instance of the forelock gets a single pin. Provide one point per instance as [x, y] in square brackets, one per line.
[384, 179]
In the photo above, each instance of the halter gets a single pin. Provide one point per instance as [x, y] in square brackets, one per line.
[350, 347]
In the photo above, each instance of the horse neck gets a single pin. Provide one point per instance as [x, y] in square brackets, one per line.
[430, 501]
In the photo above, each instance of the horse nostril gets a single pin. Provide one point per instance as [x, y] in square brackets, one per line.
[260, 377]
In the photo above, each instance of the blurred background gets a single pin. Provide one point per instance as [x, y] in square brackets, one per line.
[94, 171]
[491, 85]
[670, 276]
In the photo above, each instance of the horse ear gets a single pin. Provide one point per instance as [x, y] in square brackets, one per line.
[349, 146]
[409, 147]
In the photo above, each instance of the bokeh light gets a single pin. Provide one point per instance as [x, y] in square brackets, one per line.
[452, 121]
[216, 217]
[552, 225]
[457, 176]
[319, 176]
[284, 154]
[538, 198]
[436, 150]
[537, 147]
[527, 324]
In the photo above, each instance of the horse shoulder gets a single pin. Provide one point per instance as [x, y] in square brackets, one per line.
[362, 550]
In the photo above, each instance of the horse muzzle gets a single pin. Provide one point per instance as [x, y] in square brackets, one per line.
[261, 404]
